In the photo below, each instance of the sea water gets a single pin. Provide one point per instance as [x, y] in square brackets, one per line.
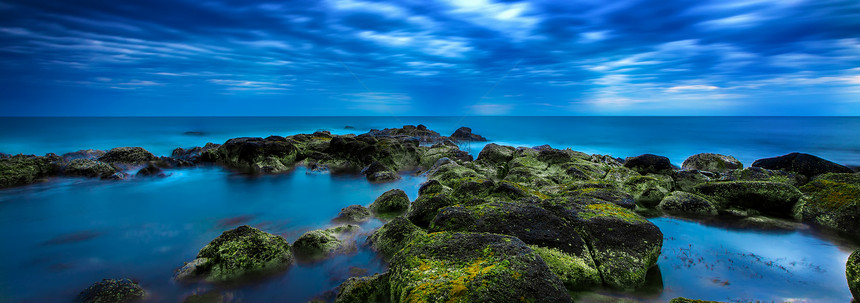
[65, 234]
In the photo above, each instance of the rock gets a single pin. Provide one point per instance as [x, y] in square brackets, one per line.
[112, 291]
[608, 194]
[623, 244]
[191, 156]
[686, 180]
[421, 132]
[685, 300]
[128, 155]
[574, 272]
[833, 200]
[320, 244]
[255, 155]
[89, 168]
[425, 208]
[495, 154]
[438, 151]
[804, 164]
[648, 190]
[687, 204]
[151, 171]
[378, 172]
[352, 214]
[394, 201]
[761, 174]
[393, 236]
[364, 289]
[209, 297]
[711, 162]
[21, 170]
[852, 272]
[433, 187]
[465, 134]
[238, 253]
[768, 223]
[649, 164]
[472, 267]
[91, 154]
[769, 198]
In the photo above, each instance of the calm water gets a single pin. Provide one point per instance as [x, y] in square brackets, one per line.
[65, 234]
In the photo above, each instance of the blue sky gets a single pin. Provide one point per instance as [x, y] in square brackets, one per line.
[411, 57]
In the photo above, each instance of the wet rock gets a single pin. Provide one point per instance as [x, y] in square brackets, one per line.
[422, 132]
[151, 170]
[648, 190]
[852, 272]
[433, 187]
[364, 289]
[833, 200]
[191, 156]
[769, 198]
[352, 214]
[495, 154]
[255, 155]
[804, 164]
[761, 174]
[599, 190]
[439, 151]
[91, 154]
[465, 134]
[425, 208]
[649, 164]
[393, 236]
[686, 204]
[89, 168]
[685, 300]
[768, 223]
[320, 244]
[711, 162]
[391, 202]
[378, 172]
[472, 267]
[21, 170]
[241, 252]
[112, 291]
[686, 180]
[128, 155]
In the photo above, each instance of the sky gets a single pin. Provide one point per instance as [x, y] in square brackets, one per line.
[429, 58]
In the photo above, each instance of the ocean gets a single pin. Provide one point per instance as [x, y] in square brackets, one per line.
[62, 235]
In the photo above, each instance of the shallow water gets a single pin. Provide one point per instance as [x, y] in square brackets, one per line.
[63, 235]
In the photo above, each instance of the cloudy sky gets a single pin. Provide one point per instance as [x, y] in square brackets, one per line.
[421, 57]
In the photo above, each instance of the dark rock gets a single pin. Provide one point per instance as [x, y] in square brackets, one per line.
[852, 272]
[394, 201]
[89, 168]
[352, 214]
[770, 198]
[378, 172]
[238, 253]
[320, 244]
[477, 267]
[687, 204]
[421, 132]
[21, 170]
[194, 133]
[151, 171]
[254, 155]
[91, 154]
[393, 236]
[112, 291]
[128, 155]
[425, 207]
[761, 174]
[804, 164]
[465, 134]
[686, 180]
[833, 200]
[191, 156]
[364, 289]
[711, 162]
[685, 300]
[649, 164]
[432, 187]
[495, 154]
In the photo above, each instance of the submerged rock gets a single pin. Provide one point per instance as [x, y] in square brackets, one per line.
[852, 272]
[649, 164]
[151, 170]
[687, 204]
[112, 291]
[238, 253]
[833, 200]
[425, 208]
[465, 134]
[89, 168]
[378, 172]
[686, 180]
[804, 164]
[128, 155]
[320, 244]
[472, 267]
[711, 162]
[393, 236]
[364, 289]
[575, 272]
[255, 155]
[392, 202]
[770, 198]
[353, 214]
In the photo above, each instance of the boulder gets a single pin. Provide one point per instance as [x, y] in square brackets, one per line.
[771, 198]
[128, 155]
[393, 236]
[852, 272]
[364, 289]
[151, 170]
[112, 291]
[574, 272]
[648, 190]
[322, 243]
[352, 214]
[711, 162]
[255, 155]
[425, 207]
[433, 187]
[21, 170]
[649, 164]
[465, 134]
[472, 267]
[686, 180]
[685, 300]
[439, 151]
[833, 200]
[394, 202]
[89, 168]
[238, 253]
[378, 172]
[688, 205]
[91, 154]
[761, 174]
[804, 164]
[191, 156]
[494, 154]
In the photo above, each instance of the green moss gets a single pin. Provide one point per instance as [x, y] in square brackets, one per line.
[392, 201]
[685, 300]
[832, 195]
[239, 252]
[112, 291]
[577, 273]
[364, 289]
[526, 189]
[610, 210]
[393, 236]
[318, 244]
[852, 273]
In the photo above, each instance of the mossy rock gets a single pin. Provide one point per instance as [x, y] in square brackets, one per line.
[685, 300]
[322, 243]
[576, 272]
[649, 164]
[472, 267]
[393, 236]
[425, 207]
[711, 162]
[352, 214]
[771, 198]
[688, 205]
[804, 164]
[372, 289]
[112, 291]
[433, 187]
[238, 253]
[623, 244]
[89, 168]
[852, 272]
[394, 201]
[213, 296]
[436, 152]
[607, 194]
[686, 180]
[495, 154]
[255, 155]
[21, 170]
[129, 155]
[761, 174]
[450, 172]
[648, 190]
[833, 200]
